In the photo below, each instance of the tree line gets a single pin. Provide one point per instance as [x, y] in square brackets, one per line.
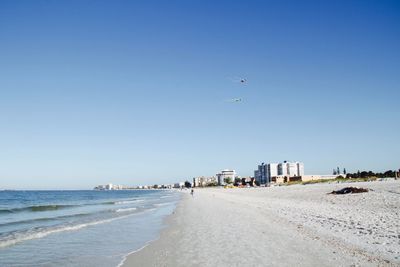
[367, 174]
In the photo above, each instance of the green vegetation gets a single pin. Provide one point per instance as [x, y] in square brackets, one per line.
[212, 184]
[340, 179]
[293, 182]
[359, 176]
[228, 180]
[365, 174]
[188, 184]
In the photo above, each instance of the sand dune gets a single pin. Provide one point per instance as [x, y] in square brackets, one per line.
[281, 226]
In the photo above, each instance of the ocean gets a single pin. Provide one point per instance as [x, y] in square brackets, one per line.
[79, 228]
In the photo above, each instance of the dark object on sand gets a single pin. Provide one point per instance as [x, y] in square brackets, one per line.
[349, 190]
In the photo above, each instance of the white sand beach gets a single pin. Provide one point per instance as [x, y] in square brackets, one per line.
[280, 226]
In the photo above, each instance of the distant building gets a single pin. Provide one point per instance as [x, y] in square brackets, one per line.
[282, 169]
[267, 173]
[257, 174]
[179, 185]
[248, 181]
[300, 169]
[204, 181]
[291, 169]
[260, 174]
[272, 171]
[100, 187]
[109, 187]
[224, 175]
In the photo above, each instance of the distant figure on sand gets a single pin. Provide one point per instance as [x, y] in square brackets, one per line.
[191, 192]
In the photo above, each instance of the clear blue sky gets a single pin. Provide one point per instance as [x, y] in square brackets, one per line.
[134, 92]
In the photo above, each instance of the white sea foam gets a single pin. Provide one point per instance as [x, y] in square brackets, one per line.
[21, 237]
[127, 209]
[128, 201]
[25, 236]
[137, 250]
[162, 204]
[94, 218]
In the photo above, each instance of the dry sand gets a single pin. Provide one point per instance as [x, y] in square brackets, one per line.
[281, 226]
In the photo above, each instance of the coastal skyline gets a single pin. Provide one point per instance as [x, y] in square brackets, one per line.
[93, 92]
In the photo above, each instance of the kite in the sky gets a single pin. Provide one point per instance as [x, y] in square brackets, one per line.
[238, 80]
[234, 100]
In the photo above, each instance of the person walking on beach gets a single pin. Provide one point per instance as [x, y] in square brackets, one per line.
[191, 192]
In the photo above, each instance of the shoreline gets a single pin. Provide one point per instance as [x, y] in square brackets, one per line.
[135, 251]
[135, 258]
[280, 226]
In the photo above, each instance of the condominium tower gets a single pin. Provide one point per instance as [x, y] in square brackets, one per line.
[265, 172]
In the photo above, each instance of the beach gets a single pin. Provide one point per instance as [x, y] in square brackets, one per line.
[299, 225]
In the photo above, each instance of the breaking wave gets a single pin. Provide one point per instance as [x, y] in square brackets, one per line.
[37, 208]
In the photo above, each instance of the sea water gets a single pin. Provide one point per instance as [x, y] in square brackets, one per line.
[79, 228]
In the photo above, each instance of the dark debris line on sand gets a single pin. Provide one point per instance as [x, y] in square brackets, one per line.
[349, 190]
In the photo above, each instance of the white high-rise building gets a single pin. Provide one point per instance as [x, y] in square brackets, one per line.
[272, 171]
[266, 172]
[283, 169]
[300, 169]
[292, 169]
